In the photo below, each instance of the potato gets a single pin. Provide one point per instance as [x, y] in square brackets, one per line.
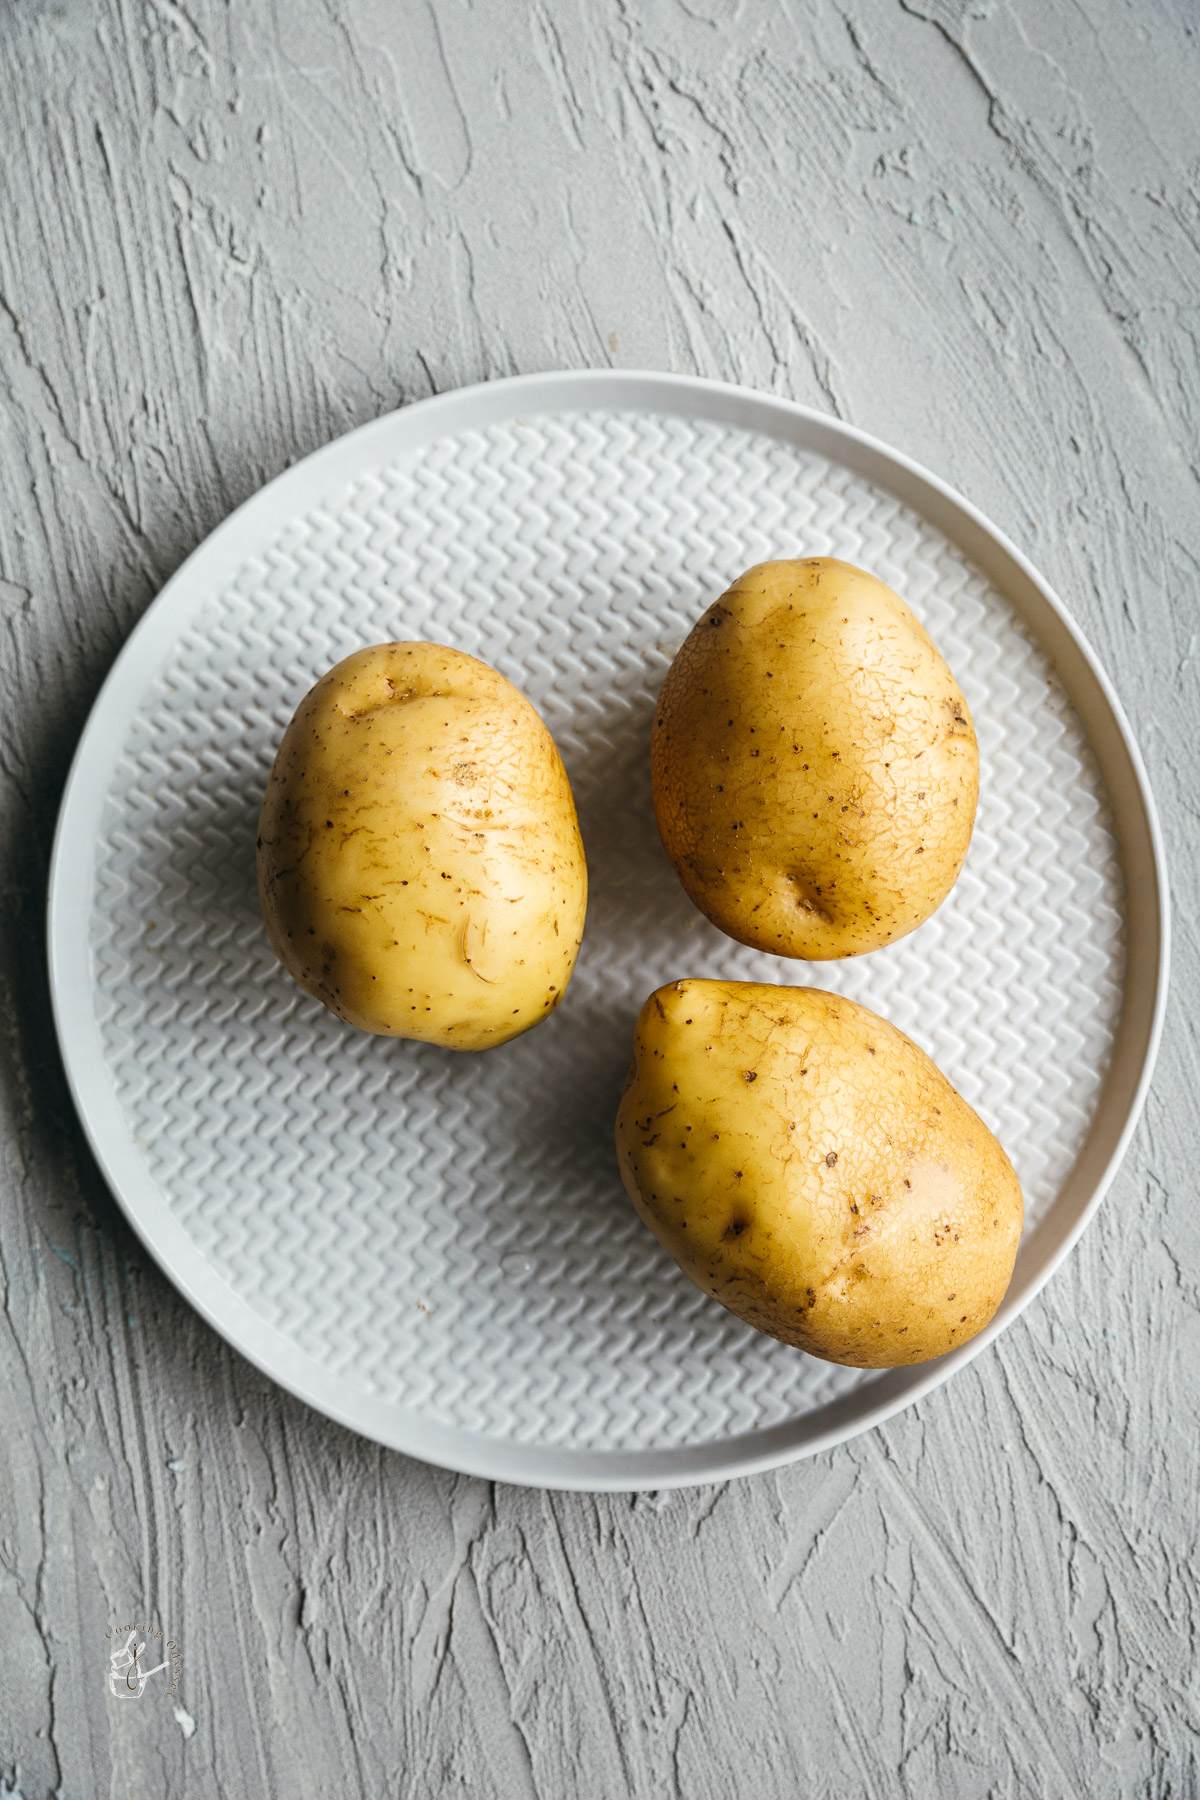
[419, 862]
[810, 1168]
[814, 764]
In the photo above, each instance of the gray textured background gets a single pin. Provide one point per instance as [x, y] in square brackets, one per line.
[232, 232]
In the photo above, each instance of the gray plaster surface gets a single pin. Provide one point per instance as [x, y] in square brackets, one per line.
[231, 232]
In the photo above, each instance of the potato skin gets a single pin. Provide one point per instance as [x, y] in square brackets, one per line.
[810, 1168]
[814, 763]
[420, 868]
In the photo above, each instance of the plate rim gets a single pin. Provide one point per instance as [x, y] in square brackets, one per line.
[71, 886]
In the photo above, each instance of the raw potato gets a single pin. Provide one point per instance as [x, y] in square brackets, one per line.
[419, 862]
[814, 763]
[810, 1168]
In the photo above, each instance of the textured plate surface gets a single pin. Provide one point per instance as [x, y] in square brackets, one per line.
[436, 1248]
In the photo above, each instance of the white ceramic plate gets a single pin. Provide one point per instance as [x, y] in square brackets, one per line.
[435, 1249]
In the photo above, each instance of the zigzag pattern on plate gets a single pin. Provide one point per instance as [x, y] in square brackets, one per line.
[450, 1232]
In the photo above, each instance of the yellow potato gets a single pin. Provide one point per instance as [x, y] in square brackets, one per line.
[814, 763]
[419, 862]
[810, 1168]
